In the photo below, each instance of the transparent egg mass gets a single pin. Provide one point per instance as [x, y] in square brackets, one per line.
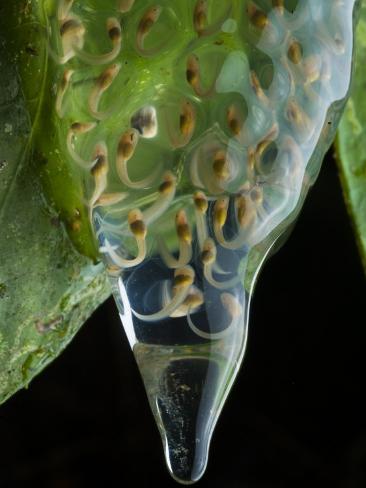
[197, 128]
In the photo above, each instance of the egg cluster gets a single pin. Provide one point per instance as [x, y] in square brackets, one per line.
[199, 128]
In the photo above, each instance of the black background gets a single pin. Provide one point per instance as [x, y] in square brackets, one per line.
[296, 416]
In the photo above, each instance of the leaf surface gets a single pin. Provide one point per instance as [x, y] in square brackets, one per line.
[351, 142]
[47, 289]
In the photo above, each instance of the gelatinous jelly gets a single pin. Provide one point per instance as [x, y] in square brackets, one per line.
[197, 127]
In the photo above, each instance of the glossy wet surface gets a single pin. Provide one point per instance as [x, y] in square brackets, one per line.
[296, 416]
[198, 129]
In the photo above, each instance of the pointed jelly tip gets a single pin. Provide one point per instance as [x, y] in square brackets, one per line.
[185, 410]
[185, 392]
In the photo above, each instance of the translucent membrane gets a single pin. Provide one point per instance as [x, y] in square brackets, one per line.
[200, 126]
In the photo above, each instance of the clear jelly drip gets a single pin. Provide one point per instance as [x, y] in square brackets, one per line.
[188, 360]
[201, 135]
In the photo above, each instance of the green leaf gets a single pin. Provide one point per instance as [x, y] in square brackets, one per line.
[47, 289]
[351, 142]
